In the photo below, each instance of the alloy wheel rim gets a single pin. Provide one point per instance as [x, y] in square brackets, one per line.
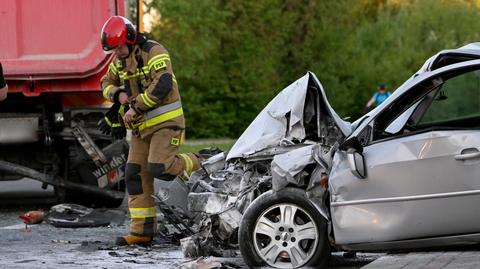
[285, 236]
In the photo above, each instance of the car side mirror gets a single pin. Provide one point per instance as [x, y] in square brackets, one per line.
[357, 163]
[355, 157]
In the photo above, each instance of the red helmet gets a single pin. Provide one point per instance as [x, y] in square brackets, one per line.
[117, 31]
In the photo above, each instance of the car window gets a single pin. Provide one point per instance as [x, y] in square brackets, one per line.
[448, 102]
[458, 100]
[398, 124]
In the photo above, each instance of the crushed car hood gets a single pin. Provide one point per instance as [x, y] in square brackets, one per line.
[281, 122]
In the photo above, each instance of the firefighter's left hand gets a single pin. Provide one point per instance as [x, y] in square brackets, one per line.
[129, 116]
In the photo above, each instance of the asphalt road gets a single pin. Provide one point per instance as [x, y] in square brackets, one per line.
[45, 246]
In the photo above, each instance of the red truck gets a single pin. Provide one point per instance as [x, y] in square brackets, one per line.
[53, 61]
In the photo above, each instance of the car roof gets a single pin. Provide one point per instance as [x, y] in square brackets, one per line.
[451, 56]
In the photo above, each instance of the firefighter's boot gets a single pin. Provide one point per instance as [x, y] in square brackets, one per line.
[133, 240]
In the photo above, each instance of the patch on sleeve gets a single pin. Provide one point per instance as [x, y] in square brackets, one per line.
[175, 141]
[160, 65]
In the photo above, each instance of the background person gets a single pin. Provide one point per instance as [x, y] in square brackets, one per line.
[379, 97]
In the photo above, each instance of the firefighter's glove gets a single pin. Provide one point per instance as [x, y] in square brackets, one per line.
[110, 120]
[104, 126]
[119, 132]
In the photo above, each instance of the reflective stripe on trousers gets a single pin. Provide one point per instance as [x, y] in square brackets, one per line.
[188, 163]
[145, 212]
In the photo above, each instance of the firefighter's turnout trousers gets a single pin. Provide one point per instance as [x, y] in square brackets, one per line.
[153, 156]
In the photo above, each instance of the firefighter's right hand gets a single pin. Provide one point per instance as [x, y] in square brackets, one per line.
[104, 126]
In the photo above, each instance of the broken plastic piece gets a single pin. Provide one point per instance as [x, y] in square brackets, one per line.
[33, 217]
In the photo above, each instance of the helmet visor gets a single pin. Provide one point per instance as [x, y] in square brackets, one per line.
[107, 48]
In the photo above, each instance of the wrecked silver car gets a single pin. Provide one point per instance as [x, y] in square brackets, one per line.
[301, 182]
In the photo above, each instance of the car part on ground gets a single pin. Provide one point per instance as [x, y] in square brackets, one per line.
[213, 262]
[78, 216]
[33, 217]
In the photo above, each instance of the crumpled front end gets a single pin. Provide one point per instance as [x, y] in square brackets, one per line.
[291, 142]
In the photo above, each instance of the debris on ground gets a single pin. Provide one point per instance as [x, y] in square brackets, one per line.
[59, 241]
[78, 216]
[33, 217]
[213, 262]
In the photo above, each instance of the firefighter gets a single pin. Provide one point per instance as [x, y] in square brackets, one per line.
[3, 85]
[141, 79]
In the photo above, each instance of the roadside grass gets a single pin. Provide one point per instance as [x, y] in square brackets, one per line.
[195, 146]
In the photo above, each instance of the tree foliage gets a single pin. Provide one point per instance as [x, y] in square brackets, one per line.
[231, 57]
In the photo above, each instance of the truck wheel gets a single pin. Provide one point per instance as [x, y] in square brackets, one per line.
[79, 161]
[283, 230]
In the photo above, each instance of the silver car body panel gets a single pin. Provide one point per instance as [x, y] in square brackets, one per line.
[404, 193]
[454, 240]
[271, 127]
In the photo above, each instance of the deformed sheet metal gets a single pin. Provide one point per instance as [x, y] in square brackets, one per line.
[271, 125]
[287, 166]
[209, 203]
[282, 120]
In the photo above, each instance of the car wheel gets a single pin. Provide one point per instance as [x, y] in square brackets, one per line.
[283, 230]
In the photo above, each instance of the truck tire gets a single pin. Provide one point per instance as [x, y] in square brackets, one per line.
[281, 225]
[77, 163]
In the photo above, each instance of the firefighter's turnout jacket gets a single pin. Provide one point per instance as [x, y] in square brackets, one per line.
[147, 78]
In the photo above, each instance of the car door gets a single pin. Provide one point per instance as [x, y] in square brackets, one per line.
[423, 174]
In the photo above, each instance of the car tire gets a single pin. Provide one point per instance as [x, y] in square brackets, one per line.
[250, 239]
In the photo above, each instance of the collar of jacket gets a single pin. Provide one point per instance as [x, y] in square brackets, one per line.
[131, 60]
